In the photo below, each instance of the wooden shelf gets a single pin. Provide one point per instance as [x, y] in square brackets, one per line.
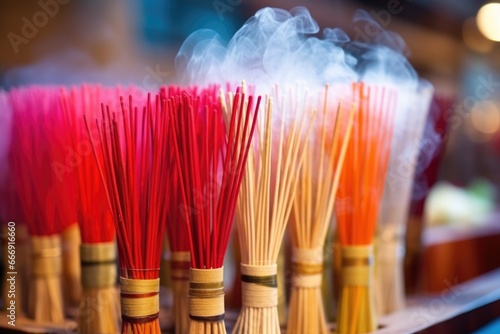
[459, 309]
[439, 235]
[453, 255]
[28, 326]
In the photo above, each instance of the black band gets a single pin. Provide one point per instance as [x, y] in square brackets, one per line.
[140, 320]
[214, 318]
[269, 281]
[97, 263]
[357, 261]
[195, 293]
[206, 286]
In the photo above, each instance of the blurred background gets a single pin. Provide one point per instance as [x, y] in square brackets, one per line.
[452, 43]
[135, 42]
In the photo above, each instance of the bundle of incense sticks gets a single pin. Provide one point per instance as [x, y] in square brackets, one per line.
[312, 213]
[99, 308]
[71, 270]
[51, 123]
[133, 162]
[268, 189]
[390, 248]
[178, 241]
[212, 158]
[434, 140]
[64, 160]
[13, 231]
[32, 110]
[357, 208]
[15, 250]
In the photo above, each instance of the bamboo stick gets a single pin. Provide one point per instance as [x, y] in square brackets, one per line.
[264, 206]
[313, 209]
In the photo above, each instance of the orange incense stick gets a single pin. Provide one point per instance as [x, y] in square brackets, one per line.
[359, 195]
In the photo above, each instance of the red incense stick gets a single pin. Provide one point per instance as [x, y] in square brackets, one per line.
[134, 166]
[98, 251]
[36, 115]
[212, 159]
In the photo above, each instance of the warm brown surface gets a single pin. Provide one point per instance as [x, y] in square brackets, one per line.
[454, 255]
[460, 309]
[24, 325]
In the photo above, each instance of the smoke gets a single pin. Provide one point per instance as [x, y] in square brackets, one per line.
[282, 47]
[432, 146]
[404, 162]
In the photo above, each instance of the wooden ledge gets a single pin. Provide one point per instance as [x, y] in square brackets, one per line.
[456, 309]
[25, 325]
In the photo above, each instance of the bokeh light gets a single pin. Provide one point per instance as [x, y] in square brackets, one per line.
[488, 21]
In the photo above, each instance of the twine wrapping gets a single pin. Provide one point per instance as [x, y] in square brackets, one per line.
[307, 267]
[306, 312]
[46, 255]
[357, 265]
[390, 246]
[259, 286]
[98, 265]
[357, 313]
[206, 295]
[180, 265]
[389, 274]
[22, 266]
[45, 302]
[139, 299]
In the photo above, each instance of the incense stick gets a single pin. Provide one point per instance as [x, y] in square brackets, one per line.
[72, 286]
[265, 204]
[16, 250]
[360, 190]
[99, 310]
[312, 212]
[31, 107]
[178, 239]
[409, 126]
[212, 158]
[134, 167]
[63, 190]
[13, 231]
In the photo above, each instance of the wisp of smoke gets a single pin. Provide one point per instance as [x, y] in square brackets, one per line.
[276, 46]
